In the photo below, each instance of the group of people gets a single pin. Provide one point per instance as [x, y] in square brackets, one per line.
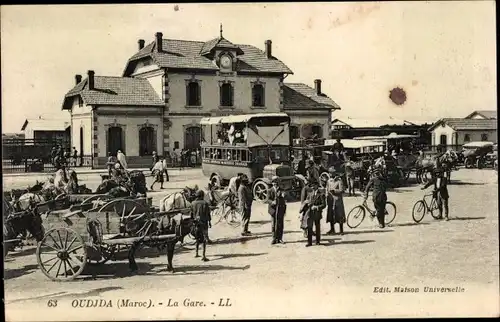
[60, 157]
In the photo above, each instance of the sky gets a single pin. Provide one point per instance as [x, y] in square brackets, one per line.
[443, 54]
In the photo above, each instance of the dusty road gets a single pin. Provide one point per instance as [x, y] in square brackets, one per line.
[335, 279]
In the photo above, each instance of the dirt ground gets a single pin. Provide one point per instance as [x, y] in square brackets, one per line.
[343, 277]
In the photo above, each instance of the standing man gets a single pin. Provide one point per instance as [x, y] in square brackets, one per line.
[379, 183]
[245, 200]
[338, 146]
[158, 174]
[440, 192]
[75, 156]
[335, 201]
[111, 162]
[349, 175]
[312, 172]
[301, 167]
[277, 210]
[313, 203]
[234, 185]
[201, 213]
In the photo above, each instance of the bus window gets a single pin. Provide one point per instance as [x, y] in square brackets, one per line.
[244, 155]
[236, 155]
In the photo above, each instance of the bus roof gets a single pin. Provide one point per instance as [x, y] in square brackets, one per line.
[356, 144]
[238, 118]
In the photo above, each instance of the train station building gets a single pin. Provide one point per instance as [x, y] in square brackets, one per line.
[168, 85]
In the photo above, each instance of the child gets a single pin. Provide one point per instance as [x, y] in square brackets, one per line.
[201, 214]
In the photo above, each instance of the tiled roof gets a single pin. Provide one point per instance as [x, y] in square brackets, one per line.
[218, 42]
[467, 124]
[298, 95]
[187, 54]
[46, 125]
[116, 91]
[485, 114]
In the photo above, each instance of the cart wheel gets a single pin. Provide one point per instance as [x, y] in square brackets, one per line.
[390, 212]
[60, 196]
[61, 254]
[96, 198]
[323, 179]
[418, 211]
[355, 216]
[106, 252]
[125, 207]
[261, 191]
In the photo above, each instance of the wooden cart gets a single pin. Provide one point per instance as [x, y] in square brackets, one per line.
[79, 236]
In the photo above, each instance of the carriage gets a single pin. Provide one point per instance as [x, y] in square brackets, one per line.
[91, 234]
[475, 154]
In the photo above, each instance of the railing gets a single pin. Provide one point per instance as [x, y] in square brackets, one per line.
[43, 166]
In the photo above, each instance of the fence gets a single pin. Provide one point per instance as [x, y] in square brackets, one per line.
[42, 165]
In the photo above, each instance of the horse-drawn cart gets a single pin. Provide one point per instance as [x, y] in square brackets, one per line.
[85, 235]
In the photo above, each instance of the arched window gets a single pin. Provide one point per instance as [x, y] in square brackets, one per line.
[226, 94]
[192, 138]
[116, 140]
[467, 138]
[484, 137]
[294, 132]
[258, 95]
[147, 141]
[317, 130]
[193, 94]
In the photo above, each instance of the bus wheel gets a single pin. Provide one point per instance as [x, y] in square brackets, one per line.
[261, 191]
[216, 181]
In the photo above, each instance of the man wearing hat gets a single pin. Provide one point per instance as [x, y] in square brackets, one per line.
[379, 184]
[313, 203]
[335, 202]
[312, 171]
[440, 182]
[245, 200]
[277, 209]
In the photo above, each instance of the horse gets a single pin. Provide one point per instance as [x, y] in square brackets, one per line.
[19, 224]
[164, 225]
[424, 165]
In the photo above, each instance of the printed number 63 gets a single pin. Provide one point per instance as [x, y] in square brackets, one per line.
[52, 303]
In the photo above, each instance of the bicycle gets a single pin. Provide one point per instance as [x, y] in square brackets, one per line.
[226, 209]
[359, 213]
[421, 207]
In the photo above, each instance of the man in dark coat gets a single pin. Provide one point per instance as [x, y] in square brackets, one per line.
[440, 182]
[379, 183]
[277, 209]
[313, 203]
[301, 166]
[201, 213]
[245, 200]
[338, 147]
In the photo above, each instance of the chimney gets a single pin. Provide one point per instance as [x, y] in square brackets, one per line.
[141, 43]
[317, 86]
[91, 79]
[159, 42]
[268, 48]
[78, 79]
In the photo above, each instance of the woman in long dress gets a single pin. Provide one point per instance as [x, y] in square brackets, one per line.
[335, 203]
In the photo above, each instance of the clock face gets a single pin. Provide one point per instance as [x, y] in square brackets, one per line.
[225, 61]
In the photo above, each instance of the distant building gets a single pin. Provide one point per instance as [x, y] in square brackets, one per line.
[169, 85]
[478, 126]
[348, 128]
[46, 130]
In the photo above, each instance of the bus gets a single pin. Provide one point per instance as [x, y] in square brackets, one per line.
[257, 145]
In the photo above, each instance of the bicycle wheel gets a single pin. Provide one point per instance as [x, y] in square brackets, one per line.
[219, 213]
[418, 211]
[355, 216]
[233, 217]
[390, 212]
[434, 209]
